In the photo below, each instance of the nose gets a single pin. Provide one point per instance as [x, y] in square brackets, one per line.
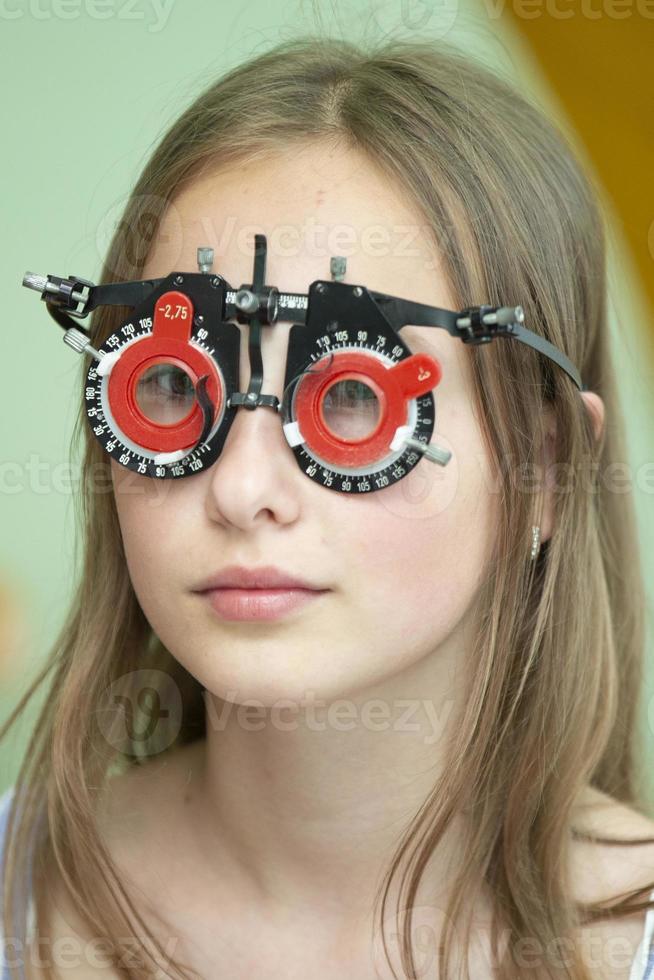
[256, 469]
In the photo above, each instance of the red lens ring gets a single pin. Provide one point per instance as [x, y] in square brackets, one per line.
[393, 386]
[168, 342]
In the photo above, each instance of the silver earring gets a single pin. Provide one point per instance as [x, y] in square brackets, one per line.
[535, 541]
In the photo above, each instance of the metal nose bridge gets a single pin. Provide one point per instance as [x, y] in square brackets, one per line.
[256, 304]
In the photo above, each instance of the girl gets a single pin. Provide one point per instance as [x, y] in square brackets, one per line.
[419, 761]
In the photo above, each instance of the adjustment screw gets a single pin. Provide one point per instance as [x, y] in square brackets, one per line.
[215, 281]
[179, 280]
[321, 287]
[205, 258]
[246, 301]
[358, 291]
[198, 320]
[337, 265]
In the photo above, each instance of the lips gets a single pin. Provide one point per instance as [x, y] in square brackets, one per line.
[264, 605]
[265, 577]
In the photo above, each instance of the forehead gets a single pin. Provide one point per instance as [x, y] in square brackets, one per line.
[311, 203]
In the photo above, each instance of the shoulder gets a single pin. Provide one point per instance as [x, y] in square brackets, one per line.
[603, 872]
[61, 924]
[138, 805]
[134, 817]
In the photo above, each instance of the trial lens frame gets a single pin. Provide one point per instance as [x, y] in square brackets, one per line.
[340, 331]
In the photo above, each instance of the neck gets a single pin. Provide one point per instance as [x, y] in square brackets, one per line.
[308, 799]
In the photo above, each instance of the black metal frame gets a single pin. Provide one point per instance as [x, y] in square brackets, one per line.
[330, 310]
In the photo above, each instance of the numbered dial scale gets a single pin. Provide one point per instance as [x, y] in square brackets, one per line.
[356, 401]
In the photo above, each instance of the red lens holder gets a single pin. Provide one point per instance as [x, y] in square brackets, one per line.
[168, 343]
[393, 386]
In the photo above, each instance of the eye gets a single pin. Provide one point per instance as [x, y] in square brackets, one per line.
[165, 394]
[350, 409]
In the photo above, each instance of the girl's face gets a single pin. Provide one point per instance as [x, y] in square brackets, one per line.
[402, 565]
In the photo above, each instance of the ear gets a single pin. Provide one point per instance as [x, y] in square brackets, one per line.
[595, 408]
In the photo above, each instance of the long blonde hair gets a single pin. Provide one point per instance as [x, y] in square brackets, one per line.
[557, 664]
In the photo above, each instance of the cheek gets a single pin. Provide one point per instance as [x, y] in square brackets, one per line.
[149, 513]
[422, 545]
